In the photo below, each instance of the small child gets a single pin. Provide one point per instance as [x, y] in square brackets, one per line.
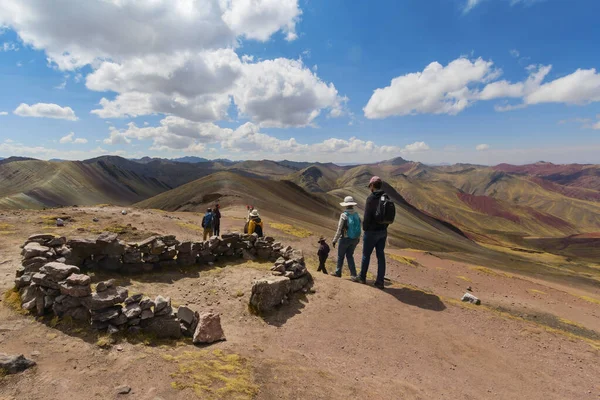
[323, 253]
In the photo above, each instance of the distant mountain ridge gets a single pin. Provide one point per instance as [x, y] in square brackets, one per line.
[500, 203]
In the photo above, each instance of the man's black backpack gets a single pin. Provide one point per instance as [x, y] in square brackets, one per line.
[386, 210]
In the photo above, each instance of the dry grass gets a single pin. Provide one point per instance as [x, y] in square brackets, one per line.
[292, 230]
[464, 278]
[7, 229]
[190, 226]
[404, 260]
[491, 272]
[12, 298]
[213, 375]
[587, 298]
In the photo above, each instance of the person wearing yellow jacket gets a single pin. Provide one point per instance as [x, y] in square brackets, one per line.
[255, 225]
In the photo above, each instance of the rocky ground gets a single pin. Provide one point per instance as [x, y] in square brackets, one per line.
[529, 339]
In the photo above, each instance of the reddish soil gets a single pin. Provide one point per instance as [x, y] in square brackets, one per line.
[487, 205]
[415, 340]
[569, 191]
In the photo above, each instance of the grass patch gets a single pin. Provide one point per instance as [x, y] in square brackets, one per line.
[239, 293]
[491, 272]
[7, 229]
[190, 226]
[589, 299]
[213, 375]
[292, 230]
[535, 291]
[464, 278]
[404, 260]
[12, 298]
[115, 229]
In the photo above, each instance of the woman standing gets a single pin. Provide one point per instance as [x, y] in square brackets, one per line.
[348, 234]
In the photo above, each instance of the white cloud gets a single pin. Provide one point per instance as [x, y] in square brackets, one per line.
[436, 90]
[45, 110]
[70, 138]
[482, 147]
[18, 149]
[416, 147]
[450, 89]
[260, 19]
[2, 113]
[283, 92]
[176, 57]
[178, 134]
[9, 46]
[138, 28]
[470, 4]
[515, 53]
[580, 87]
[116, 137]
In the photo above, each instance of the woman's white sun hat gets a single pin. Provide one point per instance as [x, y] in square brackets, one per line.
[348, 201]
[254, 213]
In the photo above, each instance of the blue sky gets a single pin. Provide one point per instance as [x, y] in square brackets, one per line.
[483, 81]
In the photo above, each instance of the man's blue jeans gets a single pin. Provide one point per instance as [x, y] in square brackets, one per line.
[346, 248]
[374, 240]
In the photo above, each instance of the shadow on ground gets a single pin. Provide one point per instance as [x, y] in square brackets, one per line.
[280, 316]
[417, 298]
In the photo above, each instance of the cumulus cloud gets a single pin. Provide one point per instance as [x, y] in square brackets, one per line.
[139, 28]
[451, 89]
[482, 147]
[11, 148]
[283, 92]
[471, 4]
[2, 113]
[70, 138]
[258, 20]
[176, 57]
[435, 90]
[45, 110]
[116, 137]
[178, 134]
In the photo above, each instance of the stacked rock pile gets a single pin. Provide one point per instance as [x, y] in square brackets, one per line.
[107, 252]
[290, 276]
[50, 280]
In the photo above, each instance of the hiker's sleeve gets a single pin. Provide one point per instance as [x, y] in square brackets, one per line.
[251, 227]
[340, 228]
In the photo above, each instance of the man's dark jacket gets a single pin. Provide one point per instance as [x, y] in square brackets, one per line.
[369, 222]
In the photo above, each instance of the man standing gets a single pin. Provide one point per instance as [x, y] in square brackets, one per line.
[208, 223]
[375, 233]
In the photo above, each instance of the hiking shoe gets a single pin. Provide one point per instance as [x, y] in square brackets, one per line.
[357, 279]
[336, 275]
[379, 285]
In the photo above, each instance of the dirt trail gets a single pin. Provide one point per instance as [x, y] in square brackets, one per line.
[412, 341]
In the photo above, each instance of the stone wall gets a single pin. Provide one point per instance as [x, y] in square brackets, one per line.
[51, 281]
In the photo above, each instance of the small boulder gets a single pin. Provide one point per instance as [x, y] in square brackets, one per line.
[136, 298]
[209, 329]
[79, 279]
[14, 364]
[468, 297]
[163, 327]
[70, 289]
[161, 303]
[269, 293]
[146, 314]
[123, 389]
[132, 310]
[34, 249]
[107, 298]
[102, 286]
[57, 272]
[186, 315]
